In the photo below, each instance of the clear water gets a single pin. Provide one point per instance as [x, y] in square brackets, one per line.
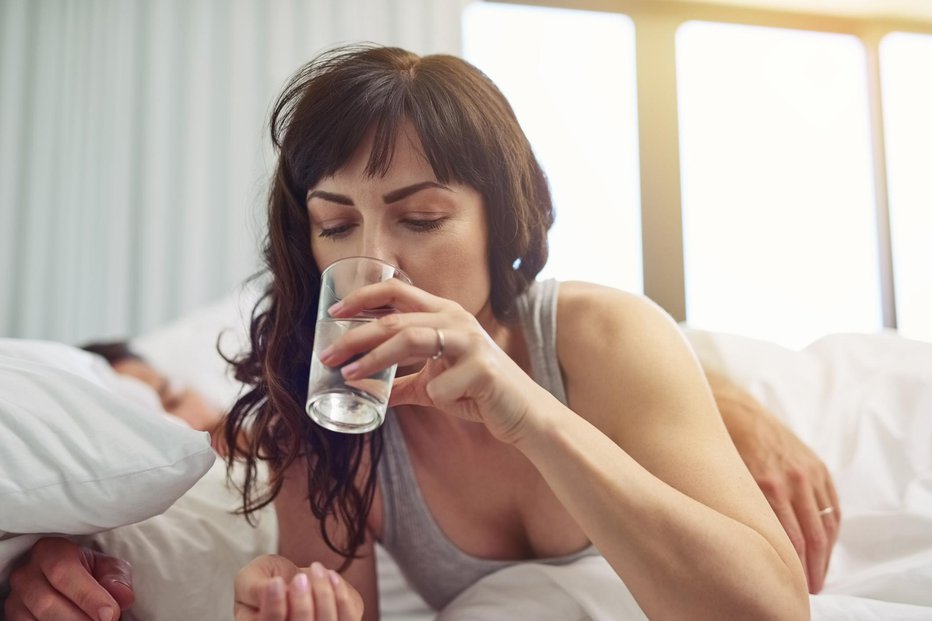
[357, 406]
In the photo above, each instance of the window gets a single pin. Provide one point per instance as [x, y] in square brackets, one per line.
[905, 60]
[570, 77]
[779, 221]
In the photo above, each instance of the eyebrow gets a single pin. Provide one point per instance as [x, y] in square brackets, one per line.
[391, 197]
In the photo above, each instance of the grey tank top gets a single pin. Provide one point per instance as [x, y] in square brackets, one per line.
[433, 565]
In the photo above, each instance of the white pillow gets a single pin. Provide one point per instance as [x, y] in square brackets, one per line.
[77, 454]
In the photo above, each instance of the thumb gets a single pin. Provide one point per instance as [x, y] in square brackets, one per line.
[409, 390]
[116, 576]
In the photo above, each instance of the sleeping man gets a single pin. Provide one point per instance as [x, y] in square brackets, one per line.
[60, 579]
[94, 585]
[181, 401]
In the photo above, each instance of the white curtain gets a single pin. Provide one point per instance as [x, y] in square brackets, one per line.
[134, 149]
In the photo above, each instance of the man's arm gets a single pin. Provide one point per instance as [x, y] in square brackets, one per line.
[797, 484]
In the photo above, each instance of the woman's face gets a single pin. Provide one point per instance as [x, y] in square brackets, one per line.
[436, 233]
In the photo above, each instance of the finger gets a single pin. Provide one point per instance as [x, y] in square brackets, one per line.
[392, 293]
[325, 605]
[832, 521]
[273, 606]
[43, 602]
[15, 610]
[115, 575]
[833, 500]
[409, 390]
[807, 512]
[67, 567]
[411, 345]
[245, 612]
[341, 594]
[300, 604]
[253, 578]
[457, 382]
[367, 336]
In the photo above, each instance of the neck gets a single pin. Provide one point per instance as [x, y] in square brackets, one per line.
[504, 335]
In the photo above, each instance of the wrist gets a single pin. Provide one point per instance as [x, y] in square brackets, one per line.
[539, 424]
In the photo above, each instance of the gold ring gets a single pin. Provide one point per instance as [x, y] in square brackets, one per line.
[826, 511]
[439, 354]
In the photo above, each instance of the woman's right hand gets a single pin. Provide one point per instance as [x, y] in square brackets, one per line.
[272, 588]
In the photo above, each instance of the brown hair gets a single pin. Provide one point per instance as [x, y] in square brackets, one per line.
[469, 135]
[112, 351]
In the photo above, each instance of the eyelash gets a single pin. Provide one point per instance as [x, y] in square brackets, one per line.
[336, 232]
[425, 226]
[417, 226]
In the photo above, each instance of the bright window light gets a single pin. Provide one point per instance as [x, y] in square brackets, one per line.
[570, 77]
[905, 61]
[779, 222]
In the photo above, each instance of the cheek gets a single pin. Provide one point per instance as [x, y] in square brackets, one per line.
[458, 271]
[324, 252]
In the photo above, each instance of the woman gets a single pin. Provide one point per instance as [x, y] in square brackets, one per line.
[530, 421]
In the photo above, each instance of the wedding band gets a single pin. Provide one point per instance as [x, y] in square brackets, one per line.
[826, 511]
[439, 353]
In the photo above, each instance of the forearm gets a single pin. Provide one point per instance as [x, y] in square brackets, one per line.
[731, 400]
[679, 558]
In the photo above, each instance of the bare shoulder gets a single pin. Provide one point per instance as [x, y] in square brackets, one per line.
[622, 355]
[577, 300]
[610, 320]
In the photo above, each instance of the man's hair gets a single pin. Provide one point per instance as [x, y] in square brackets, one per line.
[112, 351]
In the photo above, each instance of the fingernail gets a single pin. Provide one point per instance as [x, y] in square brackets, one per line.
[317, 569]
[300, 582]
[327, 354]
[350, 369]
[336, 308]
[334, 578]
[117, 578]
[105, 614]
[277, 587]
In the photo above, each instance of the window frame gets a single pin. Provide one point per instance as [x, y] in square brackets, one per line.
[656, 24]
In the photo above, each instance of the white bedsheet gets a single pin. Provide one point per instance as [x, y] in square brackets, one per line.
[864, 404]
[589, 589]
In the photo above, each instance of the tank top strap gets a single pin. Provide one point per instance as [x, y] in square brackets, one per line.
[537, 312]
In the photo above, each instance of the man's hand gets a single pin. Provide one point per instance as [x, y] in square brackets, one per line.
[62, 581]
[795, 481]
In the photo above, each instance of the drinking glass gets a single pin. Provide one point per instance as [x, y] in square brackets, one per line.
[354, 406]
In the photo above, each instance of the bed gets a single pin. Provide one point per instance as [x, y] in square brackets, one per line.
[862, 402]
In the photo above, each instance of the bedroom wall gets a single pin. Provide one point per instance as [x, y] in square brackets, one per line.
[134, 150]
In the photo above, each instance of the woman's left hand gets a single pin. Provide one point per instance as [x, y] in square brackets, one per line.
[465, 374]
[272, 588]
[795, 481]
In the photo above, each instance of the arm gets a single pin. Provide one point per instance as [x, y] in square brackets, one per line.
[59, 579]
[645, 466]
[795, 481]
[303, 551]
[643, 462]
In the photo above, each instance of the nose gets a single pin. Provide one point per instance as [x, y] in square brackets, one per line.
[378, 244]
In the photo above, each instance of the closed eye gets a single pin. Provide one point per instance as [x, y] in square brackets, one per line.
[424, 226]
[341, 230]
